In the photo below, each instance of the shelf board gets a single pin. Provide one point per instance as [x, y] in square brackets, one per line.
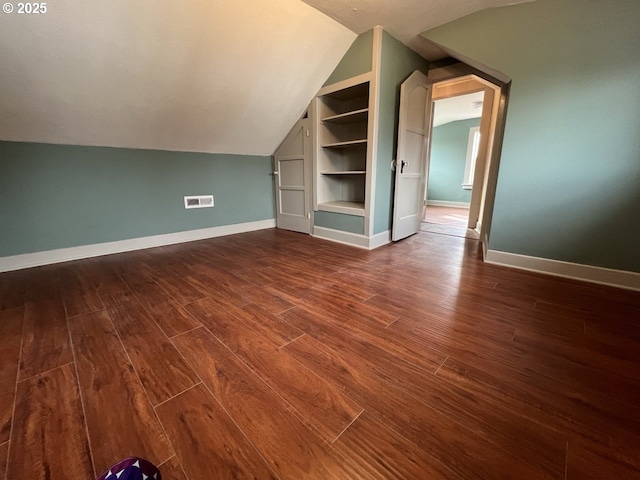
[349, 93]
[348, 117]
[349, 208]
[350, 143]
[345, 172]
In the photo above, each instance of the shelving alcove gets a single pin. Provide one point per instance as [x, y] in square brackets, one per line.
[343, 147]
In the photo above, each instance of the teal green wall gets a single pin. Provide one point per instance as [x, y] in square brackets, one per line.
[339, 221]
[356, 61]
[397, 63]
[449, 144]
[569, 181]
[57, 196]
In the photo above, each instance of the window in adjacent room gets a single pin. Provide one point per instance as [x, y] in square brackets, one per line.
[472, 156]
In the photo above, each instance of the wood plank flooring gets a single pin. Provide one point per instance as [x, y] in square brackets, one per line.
[49, 437]
[446, 215]
[447, 221]
[276, 355]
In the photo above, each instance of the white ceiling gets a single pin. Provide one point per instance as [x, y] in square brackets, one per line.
[216, 76]
[223, 76]
[404, 19]
[462, 107]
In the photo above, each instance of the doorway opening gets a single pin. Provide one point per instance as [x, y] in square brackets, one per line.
[465, 111]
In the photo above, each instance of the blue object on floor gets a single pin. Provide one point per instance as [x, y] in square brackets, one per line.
[132, 468]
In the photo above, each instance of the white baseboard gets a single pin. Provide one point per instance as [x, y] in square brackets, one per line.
[380, 239]
[37, 259]
[576, 271]
[353, 239]
[444, 203]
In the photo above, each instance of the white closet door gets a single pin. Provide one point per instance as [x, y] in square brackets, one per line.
[293, 179]
[413, 136]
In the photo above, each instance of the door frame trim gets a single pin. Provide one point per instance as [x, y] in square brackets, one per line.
[500, 102]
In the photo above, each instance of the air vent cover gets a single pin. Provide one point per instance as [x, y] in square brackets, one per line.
[198, 201]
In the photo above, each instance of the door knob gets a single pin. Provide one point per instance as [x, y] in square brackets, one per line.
[402, 165]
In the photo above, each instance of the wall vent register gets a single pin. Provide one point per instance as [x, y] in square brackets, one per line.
[198, 201]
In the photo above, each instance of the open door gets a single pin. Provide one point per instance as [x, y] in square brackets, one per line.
[411, 163]
[293, 179]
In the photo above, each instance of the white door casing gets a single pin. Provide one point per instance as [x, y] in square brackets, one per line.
[412, 157]
[293, 179]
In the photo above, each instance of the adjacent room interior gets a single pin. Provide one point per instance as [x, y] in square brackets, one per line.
[320, 239]
[455, 147]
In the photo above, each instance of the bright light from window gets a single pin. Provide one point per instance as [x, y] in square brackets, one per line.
[472, 155]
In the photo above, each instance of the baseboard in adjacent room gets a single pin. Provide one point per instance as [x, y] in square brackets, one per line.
[353, 239]
[37, 259]
[443, 203]
[576, 271]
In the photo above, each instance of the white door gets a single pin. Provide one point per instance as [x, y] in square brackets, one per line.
[293, 179]
[411, 165]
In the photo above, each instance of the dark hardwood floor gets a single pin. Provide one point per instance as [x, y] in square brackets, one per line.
[276, 355]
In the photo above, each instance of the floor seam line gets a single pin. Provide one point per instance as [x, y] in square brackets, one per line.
[291, 341]
[345, 428]
[45, 372]
[146, 393]
[177, 394]
[438, 369]
[80, 394]
[15, 391]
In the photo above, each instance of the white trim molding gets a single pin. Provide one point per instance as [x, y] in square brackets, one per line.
[380, 239]
[372, 130]
[473, 146]
[444, 203]
[342, 84]
[576, 271]
[353, 239]
[37, 259]
[484, 242]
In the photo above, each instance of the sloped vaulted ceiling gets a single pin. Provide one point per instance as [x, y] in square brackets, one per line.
[221, 76]
[404, 19]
